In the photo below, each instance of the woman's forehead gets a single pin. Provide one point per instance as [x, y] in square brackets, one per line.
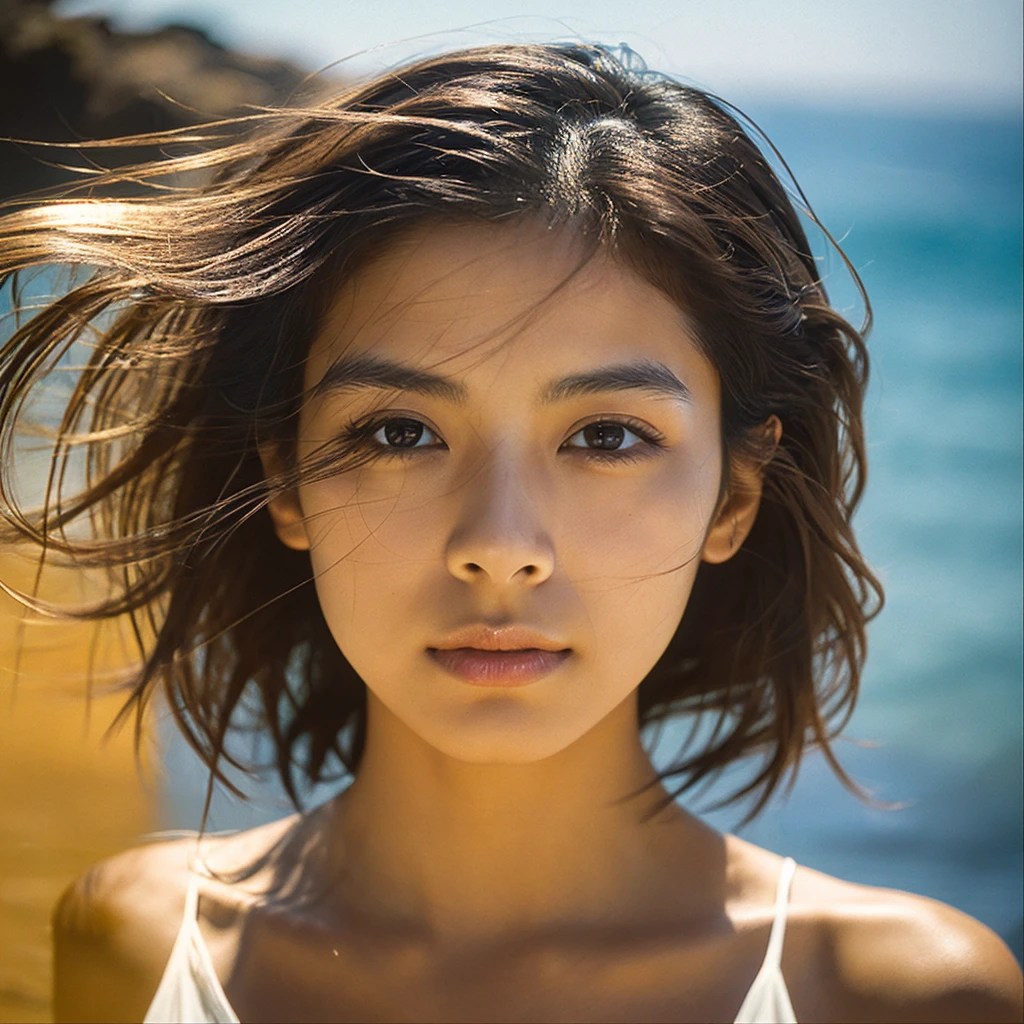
[452, 297]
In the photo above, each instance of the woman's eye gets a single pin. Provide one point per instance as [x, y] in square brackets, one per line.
[605, 436]
[405, 433]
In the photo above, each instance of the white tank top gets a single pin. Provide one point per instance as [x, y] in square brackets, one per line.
[191, 993]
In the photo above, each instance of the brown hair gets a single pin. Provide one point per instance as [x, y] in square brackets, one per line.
[201, 303]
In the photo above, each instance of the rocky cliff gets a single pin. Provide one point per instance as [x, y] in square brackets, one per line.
[66, 79]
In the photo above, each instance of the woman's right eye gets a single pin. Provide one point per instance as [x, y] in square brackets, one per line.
[405, 433]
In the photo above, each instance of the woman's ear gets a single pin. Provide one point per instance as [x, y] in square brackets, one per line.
[285, 510]
[735, 516]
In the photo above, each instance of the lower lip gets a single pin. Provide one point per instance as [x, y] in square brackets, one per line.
[499, 668]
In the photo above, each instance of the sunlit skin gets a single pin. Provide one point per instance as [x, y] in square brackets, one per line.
[487, 862]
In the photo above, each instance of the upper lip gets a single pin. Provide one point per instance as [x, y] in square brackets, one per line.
[498, 638]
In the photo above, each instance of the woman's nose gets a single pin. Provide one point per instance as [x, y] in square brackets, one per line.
[499, 535]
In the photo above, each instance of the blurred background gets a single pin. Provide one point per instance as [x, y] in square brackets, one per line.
[903, 124]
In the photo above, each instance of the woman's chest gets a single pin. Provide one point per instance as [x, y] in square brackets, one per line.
[364, 981]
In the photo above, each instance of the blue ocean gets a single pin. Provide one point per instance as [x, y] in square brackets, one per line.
[929, 210]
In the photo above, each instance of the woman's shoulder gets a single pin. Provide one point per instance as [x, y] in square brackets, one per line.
[115, 925]
[146, 880]
[113, 930]
[886, 955]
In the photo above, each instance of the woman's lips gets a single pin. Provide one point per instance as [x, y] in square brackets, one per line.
[498, 668]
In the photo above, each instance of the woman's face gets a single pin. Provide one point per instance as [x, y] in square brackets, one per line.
[546, 468]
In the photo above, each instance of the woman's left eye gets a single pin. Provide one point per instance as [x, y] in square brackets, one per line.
[607, 436]
[611, 439]
[403, 433]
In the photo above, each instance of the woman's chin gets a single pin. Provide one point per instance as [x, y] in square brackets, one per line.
[503, 732]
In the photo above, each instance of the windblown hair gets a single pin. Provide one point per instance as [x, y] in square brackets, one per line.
[198, 305]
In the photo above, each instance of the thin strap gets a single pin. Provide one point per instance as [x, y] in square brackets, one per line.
[191, 899]
[190, 989]
[188, 919]
[773, 957]
[215, 990]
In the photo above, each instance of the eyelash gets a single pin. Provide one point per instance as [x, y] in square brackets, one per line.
[650, 440]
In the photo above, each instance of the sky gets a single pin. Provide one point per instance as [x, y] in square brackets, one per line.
[912, 56]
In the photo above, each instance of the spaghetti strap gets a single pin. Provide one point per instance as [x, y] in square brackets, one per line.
[189, 989]
[191, 900]
[773, 957]
[767, 999]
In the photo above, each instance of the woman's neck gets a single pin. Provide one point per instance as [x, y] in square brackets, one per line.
[465, 852]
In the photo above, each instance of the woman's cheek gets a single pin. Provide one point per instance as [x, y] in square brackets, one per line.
[633, 560]
[631, 526]
[351, 509]
[370, 545]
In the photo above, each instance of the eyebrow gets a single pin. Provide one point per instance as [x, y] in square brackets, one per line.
[643, 375]
[370, 371]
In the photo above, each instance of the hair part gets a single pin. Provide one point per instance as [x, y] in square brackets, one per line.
[203, 301]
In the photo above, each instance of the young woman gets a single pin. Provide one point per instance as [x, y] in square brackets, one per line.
[459, 427]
